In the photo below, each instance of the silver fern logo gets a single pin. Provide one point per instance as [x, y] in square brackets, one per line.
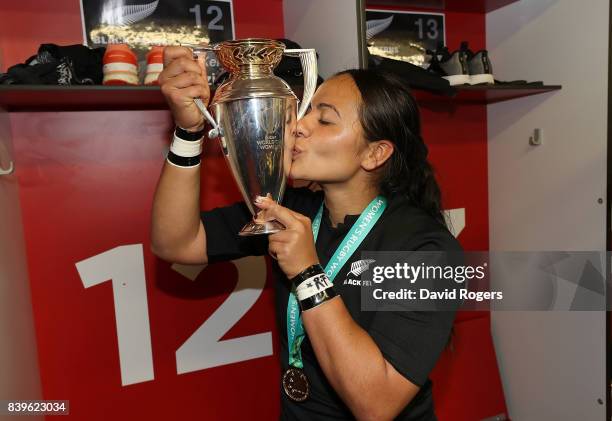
[376, 26]
[115, 12]
[360, 266]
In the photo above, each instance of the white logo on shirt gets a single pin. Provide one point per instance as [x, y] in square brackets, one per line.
[360, 266]
[357, 268]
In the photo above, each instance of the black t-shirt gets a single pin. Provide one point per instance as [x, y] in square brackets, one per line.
[410, 340]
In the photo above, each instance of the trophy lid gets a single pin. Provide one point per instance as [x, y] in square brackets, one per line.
[234, 54]
[251, 63]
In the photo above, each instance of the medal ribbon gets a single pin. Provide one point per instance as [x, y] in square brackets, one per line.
[352, 240]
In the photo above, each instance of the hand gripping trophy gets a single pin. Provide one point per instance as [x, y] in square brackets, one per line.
[255, 115]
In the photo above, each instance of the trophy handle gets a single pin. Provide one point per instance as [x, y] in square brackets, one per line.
[308, 59]
[216, 130]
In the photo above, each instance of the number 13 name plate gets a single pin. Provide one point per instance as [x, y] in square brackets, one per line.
[402, 35]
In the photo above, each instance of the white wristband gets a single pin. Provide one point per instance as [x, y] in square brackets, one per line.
[186, 148]
[312, 286]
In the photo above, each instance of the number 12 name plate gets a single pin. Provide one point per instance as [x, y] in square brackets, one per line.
[144, 23]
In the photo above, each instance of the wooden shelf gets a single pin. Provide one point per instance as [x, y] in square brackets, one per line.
[100, 98]
[85, 98]
[483, 94]
[471, 6]
[80, 98]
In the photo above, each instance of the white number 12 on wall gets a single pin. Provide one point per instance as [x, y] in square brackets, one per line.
[124, 266]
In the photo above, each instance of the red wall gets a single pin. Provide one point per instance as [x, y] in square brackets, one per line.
[81, 200]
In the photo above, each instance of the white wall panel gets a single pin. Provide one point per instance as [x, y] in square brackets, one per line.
[546, 197]
[331, 27]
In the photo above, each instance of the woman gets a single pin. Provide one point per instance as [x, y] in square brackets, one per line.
[361, 143]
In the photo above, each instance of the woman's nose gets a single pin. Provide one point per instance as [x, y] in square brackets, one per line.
[301, 128]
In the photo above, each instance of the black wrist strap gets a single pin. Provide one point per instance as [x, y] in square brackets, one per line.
[309, 272]
[188, 136]
[183, 161]
[319, 298]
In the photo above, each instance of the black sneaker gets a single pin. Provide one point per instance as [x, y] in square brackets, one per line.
[452, 67]
[479, 66]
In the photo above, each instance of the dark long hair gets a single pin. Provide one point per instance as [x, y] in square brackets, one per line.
[389, 111]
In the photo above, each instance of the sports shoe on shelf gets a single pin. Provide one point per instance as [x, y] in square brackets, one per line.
[119, 65]
[451, 66]
[155, 64]
[479, 66]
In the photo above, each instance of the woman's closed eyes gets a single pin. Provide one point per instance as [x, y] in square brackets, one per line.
[321, 120]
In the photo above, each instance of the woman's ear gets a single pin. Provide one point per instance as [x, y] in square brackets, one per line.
[377, 154]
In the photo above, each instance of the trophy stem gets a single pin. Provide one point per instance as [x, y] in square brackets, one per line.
[261, 227]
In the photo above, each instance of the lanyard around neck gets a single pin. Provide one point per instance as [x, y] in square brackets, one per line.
[352, 240]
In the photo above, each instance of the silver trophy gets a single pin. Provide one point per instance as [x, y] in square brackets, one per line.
[255, 114]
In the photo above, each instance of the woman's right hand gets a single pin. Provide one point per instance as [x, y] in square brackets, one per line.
[183, 79]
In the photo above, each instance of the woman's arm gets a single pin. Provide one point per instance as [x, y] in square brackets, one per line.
[354, 365]
[177, 233]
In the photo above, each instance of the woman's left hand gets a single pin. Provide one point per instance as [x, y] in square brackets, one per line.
[293, 247]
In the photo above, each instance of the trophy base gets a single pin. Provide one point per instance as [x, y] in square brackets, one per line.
[258, 228]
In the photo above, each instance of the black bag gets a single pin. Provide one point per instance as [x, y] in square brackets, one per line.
[58, 65]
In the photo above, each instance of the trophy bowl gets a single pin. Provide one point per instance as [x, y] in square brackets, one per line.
[254, 115]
